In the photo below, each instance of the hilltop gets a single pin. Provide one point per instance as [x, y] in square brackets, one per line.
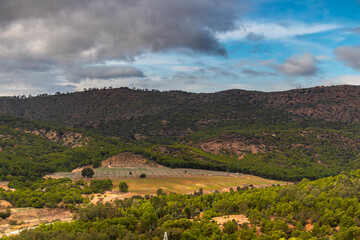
[138, 114]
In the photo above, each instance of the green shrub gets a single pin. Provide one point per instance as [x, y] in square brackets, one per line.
[87, 172]
[123, 187]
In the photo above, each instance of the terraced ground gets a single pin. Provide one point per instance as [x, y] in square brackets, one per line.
[151, 172]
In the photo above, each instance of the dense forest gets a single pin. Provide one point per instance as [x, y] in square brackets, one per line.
[320, 209]
[52, 193]
[133, 114]
[289, 151]
[30, 150]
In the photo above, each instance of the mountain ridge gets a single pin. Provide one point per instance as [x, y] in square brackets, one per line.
[128, 109]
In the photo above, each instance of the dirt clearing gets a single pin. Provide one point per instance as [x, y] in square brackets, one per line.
[30, 217]
[240, 219]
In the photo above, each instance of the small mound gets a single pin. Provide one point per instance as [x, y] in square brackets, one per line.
[127, 159]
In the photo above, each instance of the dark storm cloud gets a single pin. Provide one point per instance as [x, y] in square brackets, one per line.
[112, 29]
[54, 37]
[105, 72]
[12, 10]
[19, 65]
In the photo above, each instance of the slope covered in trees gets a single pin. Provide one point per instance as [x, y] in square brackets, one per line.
[327, 207]
[30, 150]
[311, 149]
[52, 193]
[281, 135]
[137, 114]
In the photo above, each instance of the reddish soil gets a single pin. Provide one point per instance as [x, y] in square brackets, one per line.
[31, 217]
[128, 160]
[110, 196]
[240, 219]
[4, 185]
[231, 144]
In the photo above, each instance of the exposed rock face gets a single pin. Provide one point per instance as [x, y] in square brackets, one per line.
[68, 139]
[235, 146]
[128, 160]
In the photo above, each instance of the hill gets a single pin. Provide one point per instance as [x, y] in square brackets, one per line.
[137, 114]
[287, 135]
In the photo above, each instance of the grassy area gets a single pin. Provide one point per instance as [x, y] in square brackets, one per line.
[177, 180]
[190, 184]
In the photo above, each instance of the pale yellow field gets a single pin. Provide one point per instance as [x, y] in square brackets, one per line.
[178, 180]
[187, 185]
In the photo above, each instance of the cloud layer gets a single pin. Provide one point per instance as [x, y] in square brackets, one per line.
[112, 29]
[62, 38]
[67, 45]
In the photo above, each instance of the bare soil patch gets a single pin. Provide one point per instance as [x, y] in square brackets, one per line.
[31, 217]
[5, 204]
[240, 219]
[110, 196]
[230, 144]
[79, 169]
[4, 185]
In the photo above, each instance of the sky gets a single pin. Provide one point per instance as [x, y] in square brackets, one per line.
[49, 46]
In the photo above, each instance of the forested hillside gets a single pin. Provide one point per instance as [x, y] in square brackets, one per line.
[29, 150]
[138, 114]
[321, 209]
[287, 152]
[288, 135]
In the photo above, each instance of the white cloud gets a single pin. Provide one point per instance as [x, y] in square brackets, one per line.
[272, 30]
[299, 65]
[343, 80]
